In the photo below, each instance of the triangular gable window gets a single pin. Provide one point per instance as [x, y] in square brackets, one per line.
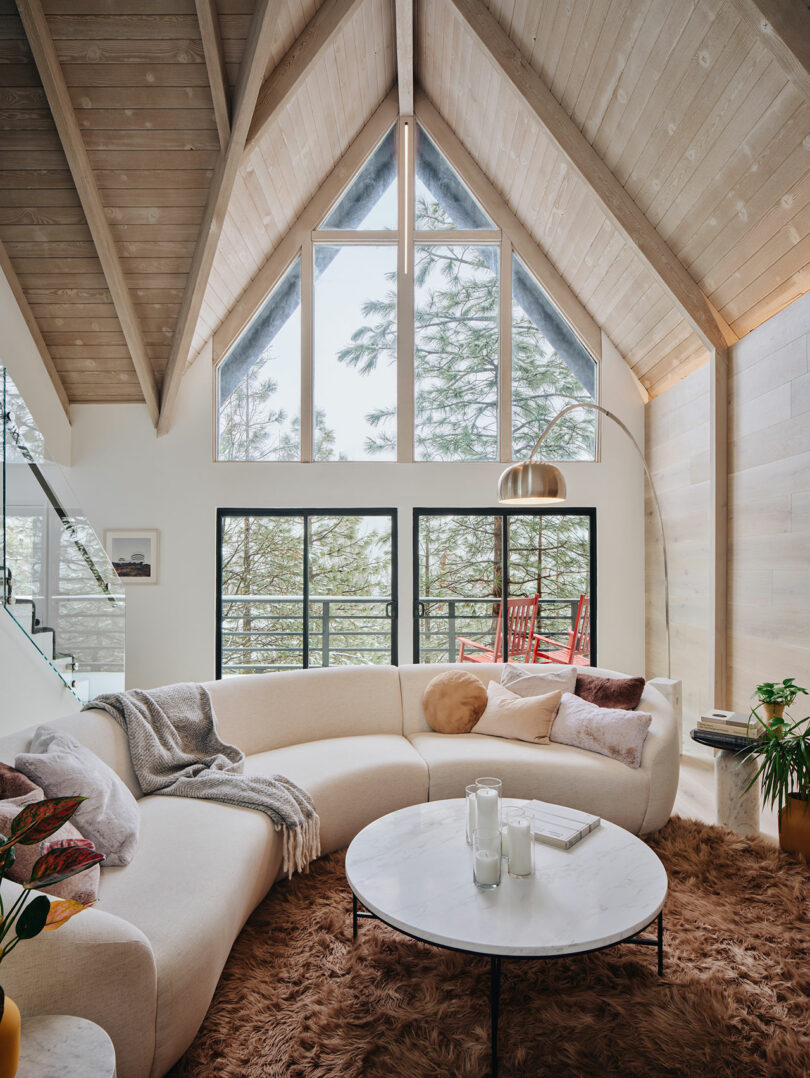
[371, 199]
[442, 200]
[330, 390]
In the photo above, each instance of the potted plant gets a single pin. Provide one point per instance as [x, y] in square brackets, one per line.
[784, 772]
[774, 697]
[31, 914]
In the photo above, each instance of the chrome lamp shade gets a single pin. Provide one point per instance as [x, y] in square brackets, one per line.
[531, 482]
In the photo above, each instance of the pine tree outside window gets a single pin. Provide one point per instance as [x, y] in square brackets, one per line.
[480, 386]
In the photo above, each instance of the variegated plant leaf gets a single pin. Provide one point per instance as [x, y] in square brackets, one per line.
[39, 820]
[61, 911]
[62, 863]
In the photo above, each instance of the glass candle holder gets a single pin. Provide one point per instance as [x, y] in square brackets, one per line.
[520, 838]
[488, 807]
[471, 815]
[486, 846]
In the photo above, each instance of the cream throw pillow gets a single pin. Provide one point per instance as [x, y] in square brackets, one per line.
[507, 715]
[529, 681]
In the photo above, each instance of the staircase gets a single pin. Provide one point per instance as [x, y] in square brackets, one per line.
[57, 582]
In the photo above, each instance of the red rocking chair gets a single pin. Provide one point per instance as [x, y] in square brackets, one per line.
[577, 652]
[521, 615]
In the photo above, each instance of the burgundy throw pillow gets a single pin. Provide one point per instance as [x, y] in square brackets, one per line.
[17, 791]
[624, 693]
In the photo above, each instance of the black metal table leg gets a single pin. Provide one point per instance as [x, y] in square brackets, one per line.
[661, 944]
[354, 916]
[494, 1006]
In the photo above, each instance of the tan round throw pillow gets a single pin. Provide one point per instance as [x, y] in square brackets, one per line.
[454, 702]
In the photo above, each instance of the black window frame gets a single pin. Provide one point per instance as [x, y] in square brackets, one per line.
[305, 514]
[504, 512]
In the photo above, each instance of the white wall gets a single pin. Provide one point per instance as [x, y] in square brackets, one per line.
[32, 690]
[124, 476]
[20, 356]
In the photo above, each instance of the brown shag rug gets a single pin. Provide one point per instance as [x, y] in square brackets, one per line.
[299, 999]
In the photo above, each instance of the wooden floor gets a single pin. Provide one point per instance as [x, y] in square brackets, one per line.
[696, 798]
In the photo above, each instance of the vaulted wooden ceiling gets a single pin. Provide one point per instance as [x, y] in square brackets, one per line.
[155, 154]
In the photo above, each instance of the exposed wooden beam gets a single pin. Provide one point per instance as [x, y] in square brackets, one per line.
[523, 242]
[404, 32]
[47, 362]
[254, 63]
[215, 64]
[783, 26]
[56, 91]
[623, 212]
[313, 213]
[286, 76]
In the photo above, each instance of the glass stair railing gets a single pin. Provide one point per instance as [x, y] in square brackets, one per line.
[57, 582]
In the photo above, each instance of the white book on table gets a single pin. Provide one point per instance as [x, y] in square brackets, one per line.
[583, 821]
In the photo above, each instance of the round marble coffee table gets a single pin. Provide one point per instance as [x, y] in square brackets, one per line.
[412, 869]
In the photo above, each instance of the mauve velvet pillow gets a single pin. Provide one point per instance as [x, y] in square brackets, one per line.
[622, 692]
[606, 730]
[63, 767]
[17, 791]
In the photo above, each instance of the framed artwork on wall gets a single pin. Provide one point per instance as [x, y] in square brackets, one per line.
[134, 554]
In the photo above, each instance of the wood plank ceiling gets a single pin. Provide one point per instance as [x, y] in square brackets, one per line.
[684, 102]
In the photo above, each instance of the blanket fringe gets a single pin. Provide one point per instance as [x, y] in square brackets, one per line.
[301, 845]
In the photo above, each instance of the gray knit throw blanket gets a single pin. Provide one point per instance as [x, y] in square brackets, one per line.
[176, 750]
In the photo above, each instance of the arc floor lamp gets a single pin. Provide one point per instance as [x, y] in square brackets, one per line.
[534, 482]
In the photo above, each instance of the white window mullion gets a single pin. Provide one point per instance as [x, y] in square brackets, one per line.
[405, 297]
[307, 363]
[505, 352]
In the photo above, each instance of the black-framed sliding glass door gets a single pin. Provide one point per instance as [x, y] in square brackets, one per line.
[466, 561]
[305, 588]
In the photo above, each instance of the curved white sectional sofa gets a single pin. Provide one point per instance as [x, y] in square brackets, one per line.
[144, 962]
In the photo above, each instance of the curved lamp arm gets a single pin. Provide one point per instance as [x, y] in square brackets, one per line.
[598, 408]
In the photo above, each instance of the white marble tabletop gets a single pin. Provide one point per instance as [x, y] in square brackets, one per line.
[62, 1046]
[413, 868]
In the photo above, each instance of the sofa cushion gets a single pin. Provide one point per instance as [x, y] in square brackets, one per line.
[259, 712]
[537, 680]
[624, 693]
[557, 773]
[509, 715]
[63, 767]
[607, 730]
[454, 702]
[201, 868]
[353, 780]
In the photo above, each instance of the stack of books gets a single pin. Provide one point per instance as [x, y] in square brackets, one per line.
[559, 826]
[731, 723]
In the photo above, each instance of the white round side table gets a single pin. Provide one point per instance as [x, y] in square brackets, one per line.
[61, 1046]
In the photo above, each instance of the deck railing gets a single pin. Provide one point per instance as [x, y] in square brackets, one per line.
[260, 633]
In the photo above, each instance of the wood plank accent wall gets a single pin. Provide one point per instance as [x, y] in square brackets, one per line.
[678, 455]
[769, 490]
[767, 563]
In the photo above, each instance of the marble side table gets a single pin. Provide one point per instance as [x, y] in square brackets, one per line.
[737, 806]
[61, 1046]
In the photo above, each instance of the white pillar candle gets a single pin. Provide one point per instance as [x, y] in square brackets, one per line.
[520, 848]
[487, 810]
[487, 867]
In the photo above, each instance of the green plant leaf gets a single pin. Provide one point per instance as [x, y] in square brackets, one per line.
[36, 822]
[32, 919]
[62, 863]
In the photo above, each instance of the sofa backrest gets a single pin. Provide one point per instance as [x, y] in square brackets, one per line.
[97, 730]
[259, 712]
